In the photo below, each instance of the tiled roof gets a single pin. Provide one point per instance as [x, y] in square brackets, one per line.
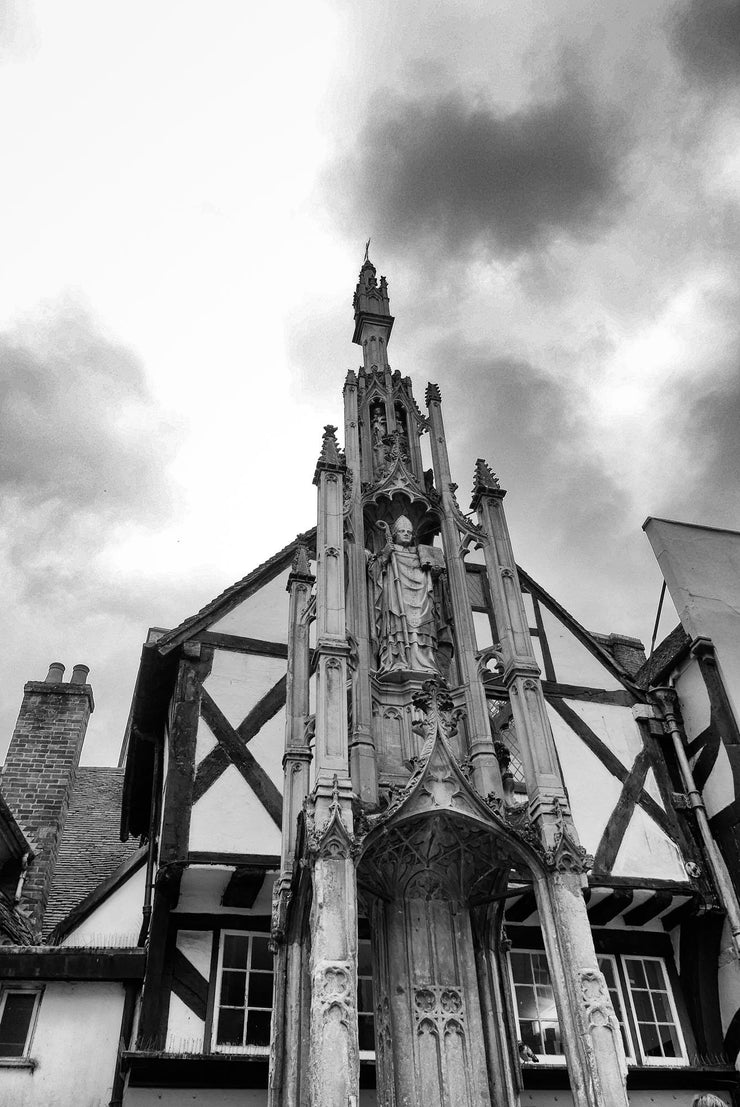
[663, 657]
[91, 848]
[14, 929]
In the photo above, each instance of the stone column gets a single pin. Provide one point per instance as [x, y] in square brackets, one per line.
[334, 1067]
[297, 756]
[486, 772]
[591, 1037]
[361, 745]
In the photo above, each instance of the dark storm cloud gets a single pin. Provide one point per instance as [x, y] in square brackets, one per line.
[466, 174]
[571, 521]
[706, 35]
[77, 426]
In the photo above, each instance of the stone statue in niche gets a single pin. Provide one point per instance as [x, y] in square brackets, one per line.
[379, 432]
[410, 626]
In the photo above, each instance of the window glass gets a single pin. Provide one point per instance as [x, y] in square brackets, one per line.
[244, 994]
[18, 1009]
[655, 1014]
[659, 1035]
[538, 1022]
[365, 1004]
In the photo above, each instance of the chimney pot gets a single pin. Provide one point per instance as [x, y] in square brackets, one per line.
[79, 674]
[56, 672]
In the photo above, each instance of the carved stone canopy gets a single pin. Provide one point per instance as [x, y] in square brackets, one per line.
[443, 856]
[440, 837]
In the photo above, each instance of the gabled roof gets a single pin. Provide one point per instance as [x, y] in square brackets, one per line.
[235, 594]
[91, 849]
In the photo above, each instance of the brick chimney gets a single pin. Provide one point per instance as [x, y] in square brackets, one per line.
[39, 772]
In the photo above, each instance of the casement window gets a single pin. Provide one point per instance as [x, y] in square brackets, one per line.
[19, 1006]
[243, 994]
[651, 1032]
[658, 1030]
[537, 1018]
[365, 1004]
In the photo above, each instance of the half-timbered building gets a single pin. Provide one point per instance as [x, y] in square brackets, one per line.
[390, 826]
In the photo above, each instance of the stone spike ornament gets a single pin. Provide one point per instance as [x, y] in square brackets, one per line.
[329, 449]
[485, 482]
[301, 566]
[433, 394]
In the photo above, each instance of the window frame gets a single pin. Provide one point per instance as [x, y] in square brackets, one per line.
[636, 1058]
[366, 1054]
[37, 990]
[645, 1059]
[542, 1058]
[213, 1045]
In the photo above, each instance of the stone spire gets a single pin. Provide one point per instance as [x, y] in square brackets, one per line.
[372, 306]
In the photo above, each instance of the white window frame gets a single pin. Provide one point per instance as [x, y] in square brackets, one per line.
[216, 1046]
[366, 1054]
[543, 1058]
[644, 1059]
[636, 1056]
[14, 989]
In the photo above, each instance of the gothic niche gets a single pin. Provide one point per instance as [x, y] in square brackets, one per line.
[411, 630]
[378, 436]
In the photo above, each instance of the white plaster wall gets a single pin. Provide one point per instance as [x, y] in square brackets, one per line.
[237, 681]
[268, 746]
[263, 615]
[701, 567]
[728, 980]
[184, 1029]
[592, 789]
[117, 921]
[615, 726]
[693, 698]
[229, 818]
[203, 887]
[205, 741]
[197, 946]
[719, 789]
[75, 1043]
[646, 851]
[573, 663]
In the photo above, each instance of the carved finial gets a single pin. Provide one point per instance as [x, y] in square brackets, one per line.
[485, 482]
[432, 394]
[367, 251]
[329, 448]
[484, 476]
[350, 381]
[301, 566]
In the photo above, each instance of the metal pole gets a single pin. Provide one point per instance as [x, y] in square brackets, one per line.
[666, 697]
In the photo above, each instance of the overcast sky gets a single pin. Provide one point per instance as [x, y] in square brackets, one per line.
[552, 190]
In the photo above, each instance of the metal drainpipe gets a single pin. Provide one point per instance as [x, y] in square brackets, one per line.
[666, 697]
[22, 877]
